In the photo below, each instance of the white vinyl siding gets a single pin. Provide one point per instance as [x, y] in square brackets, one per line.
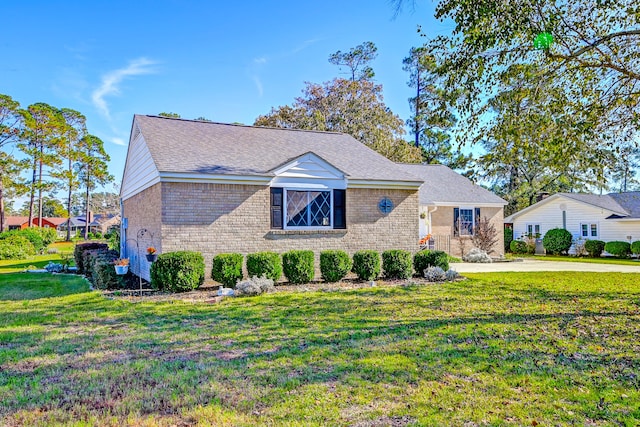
[140, 171]
[549, 215]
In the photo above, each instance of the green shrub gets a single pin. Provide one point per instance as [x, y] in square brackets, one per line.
[426, 258]
[635, 247]
[508, 238]
[334, 265]
[99, 263]
[366, 264]
[557, 241]
[298, 266]
[48, 235]
[227, 269]
[618, 248]
[31, 234]
[594, 247]
[267, 264]
[396, 264]
[80, 248]
[178, 271]
[16, 247]
[519, 247]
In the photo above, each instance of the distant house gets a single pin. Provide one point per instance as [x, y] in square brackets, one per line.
[451, 207]
[20, 222]
[212, 188]
[101, 223]
[614, 216]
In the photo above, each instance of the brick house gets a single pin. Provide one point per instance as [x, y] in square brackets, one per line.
[212, 188]
[451, 207]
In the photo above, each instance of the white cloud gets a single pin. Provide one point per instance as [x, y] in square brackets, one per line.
[111, 81]
[118, 141]
[261, 60]
[258, 83]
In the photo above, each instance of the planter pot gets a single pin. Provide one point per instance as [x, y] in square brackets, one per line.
[152, 257]
[121, 269]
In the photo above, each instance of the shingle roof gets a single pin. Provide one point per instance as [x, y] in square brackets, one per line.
[443, 185]
[623, 205]
[187, 146]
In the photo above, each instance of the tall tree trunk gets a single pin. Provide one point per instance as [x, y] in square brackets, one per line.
[1, 207]
[415, 119]
[86, 216]
[33, 191]
[69, 203]
[40, 188]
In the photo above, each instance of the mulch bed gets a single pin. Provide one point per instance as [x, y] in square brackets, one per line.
[208, 291]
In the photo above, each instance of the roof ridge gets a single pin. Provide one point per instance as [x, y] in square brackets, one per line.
[240, 124]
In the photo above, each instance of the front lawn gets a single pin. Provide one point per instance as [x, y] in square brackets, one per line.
[499, 349]
[599, 260]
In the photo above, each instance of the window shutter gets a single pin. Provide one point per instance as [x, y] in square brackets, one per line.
[456, 218]
[339, 209]
[276, 207]
[477, 219]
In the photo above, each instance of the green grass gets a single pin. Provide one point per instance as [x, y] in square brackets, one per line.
[13, 266]
[601, 260]
[499, 349]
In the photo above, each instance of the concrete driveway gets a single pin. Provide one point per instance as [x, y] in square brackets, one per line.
[537, 265]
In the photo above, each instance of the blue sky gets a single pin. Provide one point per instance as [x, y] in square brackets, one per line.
[226, 61]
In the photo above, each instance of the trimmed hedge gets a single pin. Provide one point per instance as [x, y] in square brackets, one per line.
[594, 247]
[16, 246]
[80, 248]
[103, 273]
[396, 264]
[178, 271]
[267, 264]
[334, 265]
[557, 241]
[508, 238]
[518, 247]
[618, 248]
[227, 269]
[426, 258]
[298, 266]
[366, 264]
[635, 247]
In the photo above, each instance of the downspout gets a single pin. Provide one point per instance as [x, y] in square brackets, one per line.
[430, 230]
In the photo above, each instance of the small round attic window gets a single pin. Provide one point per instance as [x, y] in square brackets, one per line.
[385, 205]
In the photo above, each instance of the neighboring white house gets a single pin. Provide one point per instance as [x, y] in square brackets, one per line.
[609, 217]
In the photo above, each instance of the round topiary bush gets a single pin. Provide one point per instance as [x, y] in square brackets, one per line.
[267, 264]
[518, 247]
[227, 269]
[178, 271]
[635, 247]
[557, 241]
[366, 264]
[426, 258]
[334, 265]
[594, 247]
[508, 238]
[298, 266]
[396, 264]
[618, 248]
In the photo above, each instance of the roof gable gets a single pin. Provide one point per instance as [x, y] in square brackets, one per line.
[309, 171]
[600, 201]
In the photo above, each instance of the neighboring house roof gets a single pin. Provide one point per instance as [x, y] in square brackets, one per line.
[621, 205]
[19, 220]
[444, 186]
[202, 148]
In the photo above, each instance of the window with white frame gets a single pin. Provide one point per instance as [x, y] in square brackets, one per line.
[307, 208]
[465, 220]
[589, 230]
[533, 230]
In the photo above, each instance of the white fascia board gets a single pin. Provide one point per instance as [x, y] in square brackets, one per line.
[468, 203]
[397, 185]
[309, 157]
[214, 179]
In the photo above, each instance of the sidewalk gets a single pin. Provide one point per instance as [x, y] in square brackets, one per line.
[537, 265]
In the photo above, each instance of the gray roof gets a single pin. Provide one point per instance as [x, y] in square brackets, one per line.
[442, 185]
[188, 146]
[623, 205]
